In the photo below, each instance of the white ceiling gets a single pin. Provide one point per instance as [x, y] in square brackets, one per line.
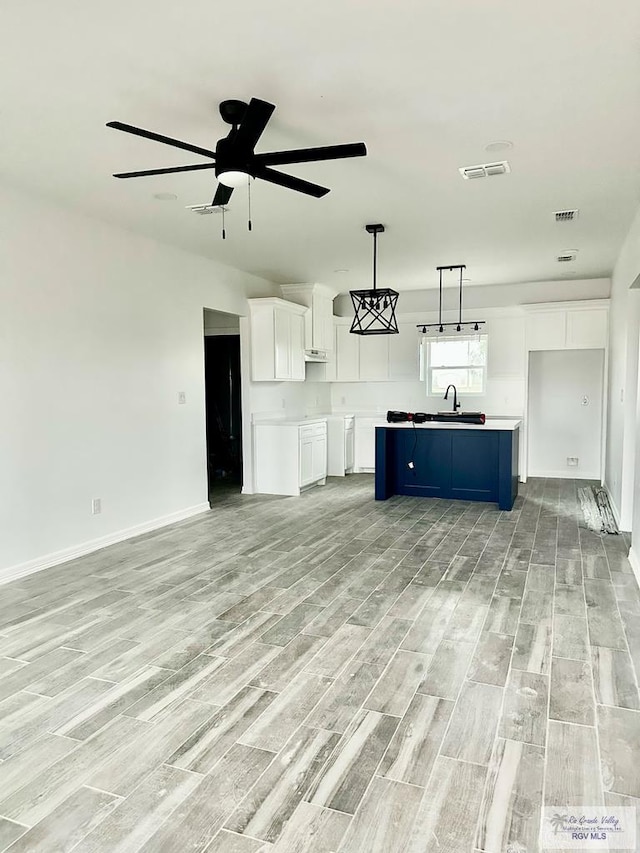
[425, 83]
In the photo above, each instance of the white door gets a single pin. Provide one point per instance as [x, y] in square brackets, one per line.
[296, 347]
[319, 459]
[348, 449]
[565, 413]
[306, 461]
[282, 343]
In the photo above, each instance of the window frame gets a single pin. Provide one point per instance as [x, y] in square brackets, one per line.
[429, 368]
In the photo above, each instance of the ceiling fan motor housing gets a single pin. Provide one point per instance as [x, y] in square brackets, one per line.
[230, 158]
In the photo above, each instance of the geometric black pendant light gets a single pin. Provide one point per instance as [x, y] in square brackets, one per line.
[375, 309]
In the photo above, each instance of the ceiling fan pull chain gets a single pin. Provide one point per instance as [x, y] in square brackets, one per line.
[224, 233]
[249, 195]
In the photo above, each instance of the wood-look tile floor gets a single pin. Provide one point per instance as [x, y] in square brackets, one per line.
[323, 673]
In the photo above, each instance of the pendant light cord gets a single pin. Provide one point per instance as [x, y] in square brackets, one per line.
[249, 195]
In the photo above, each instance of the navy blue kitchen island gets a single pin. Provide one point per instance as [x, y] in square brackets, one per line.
[459, 461]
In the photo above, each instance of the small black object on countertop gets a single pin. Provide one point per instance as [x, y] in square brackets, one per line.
[395, 417]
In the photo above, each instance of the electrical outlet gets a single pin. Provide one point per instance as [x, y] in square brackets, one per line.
[182, 397]
[622, 395]
[343, 400]
[96, 506]
[284, 403]
[572, 461]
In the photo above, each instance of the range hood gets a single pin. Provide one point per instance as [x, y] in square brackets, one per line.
[315, 355]
[318, 320]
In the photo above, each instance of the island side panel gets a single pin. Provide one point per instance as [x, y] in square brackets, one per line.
[385, 463]
[508, 468]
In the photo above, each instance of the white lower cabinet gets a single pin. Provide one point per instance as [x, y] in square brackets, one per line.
[289, 456]
[340, 438]
[365, 443]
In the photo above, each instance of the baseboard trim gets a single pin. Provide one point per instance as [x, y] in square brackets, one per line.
[635, 563]
[21, 570]
[564, 475]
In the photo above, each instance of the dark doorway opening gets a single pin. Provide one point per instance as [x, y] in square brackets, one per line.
[224, 414]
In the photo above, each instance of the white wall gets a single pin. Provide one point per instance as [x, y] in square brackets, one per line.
[559, 425]
[217, 323]
[99, 330]
[622, 417]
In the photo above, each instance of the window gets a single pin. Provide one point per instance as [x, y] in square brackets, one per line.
[459, 361]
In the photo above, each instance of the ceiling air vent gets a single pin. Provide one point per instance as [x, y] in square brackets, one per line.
[566, 215]
[566, 258]
[205, 209]
[484, 170]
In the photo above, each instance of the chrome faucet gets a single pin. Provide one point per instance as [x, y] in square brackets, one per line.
[456, 404]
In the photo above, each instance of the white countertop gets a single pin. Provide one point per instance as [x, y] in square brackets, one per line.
[495, 424]
[304, 420]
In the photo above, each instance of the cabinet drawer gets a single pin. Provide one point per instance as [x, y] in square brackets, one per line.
[312, 429]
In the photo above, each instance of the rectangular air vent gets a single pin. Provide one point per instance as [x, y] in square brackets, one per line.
[205, 209]
[565, 215]
[564, 259]
[484, 170]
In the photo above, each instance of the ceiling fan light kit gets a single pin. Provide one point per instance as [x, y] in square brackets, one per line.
[375, 309]
[234, 158]
[440, 328]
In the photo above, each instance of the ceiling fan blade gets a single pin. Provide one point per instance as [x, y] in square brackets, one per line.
[157, 137]
[253, 124]
[222, 196]
[308, 155]
[289, 182]
[165, 171]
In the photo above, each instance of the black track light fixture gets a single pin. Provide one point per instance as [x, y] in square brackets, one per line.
[459, 326]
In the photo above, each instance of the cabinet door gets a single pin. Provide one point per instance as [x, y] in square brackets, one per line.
[306, 461]
[546, 331]
[374, 358]
[282, 343]
[403, 353]
[348, 449]
[296, 347]
[347, 355]
[365, 443]
[587, 329]
[319, 457]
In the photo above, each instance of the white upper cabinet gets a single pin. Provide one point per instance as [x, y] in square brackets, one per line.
[546, 330]
[404, 362]
[318, 298]
[347, 354]
[581, 325]
[587, 329]
[374, 357]
[277, 340]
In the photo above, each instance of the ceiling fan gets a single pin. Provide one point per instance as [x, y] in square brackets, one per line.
[234, 156]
